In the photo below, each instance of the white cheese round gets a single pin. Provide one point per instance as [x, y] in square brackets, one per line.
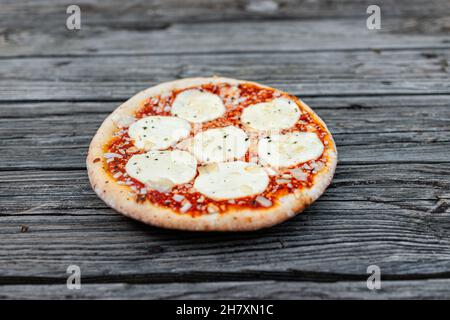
[197, 106]
[289, 149]
[163, 168]
[220, 144]
[158, 132]
[280, 113]
[231, 180]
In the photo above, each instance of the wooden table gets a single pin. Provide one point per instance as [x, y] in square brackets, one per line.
[385, 95]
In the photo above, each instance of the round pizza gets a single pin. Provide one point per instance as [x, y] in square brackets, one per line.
[211, 154]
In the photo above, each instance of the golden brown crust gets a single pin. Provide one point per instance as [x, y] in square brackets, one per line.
[117, 196]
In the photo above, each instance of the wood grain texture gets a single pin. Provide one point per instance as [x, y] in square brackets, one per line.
[397, 210]
[50, 192]
[367, 130]
[421, 289]
[256, 36]
[332, 240]
[302, 73]
[158, 14]
[384, 94]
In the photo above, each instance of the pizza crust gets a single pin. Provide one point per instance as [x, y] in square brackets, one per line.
[117, 196]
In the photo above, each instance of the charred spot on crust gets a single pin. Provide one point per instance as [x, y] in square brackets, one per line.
[140, 198]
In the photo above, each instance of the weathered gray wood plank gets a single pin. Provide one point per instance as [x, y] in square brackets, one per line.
[304, 73]
[331, 240]
[374, 123]
[69, 153]
[263, 36]
[366, 129]
[156, 14]
[52, 192]
[420, 289]
[424, 104]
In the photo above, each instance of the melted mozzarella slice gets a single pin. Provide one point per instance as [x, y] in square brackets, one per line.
[219, 144]
[162, 168]
[279, 113]
[231, 180]
[197, 106]
[157, 132]
[289, 149]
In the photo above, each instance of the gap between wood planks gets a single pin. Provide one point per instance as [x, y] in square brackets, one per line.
[303, 96]
[225, 52]
[343, 163]
[208, 277]
[440, 206]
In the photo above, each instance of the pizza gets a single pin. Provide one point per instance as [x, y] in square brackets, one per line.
[211, 154]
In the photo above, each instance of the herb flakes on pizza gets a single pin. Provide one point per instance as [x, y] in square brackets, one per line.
[211, 154]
